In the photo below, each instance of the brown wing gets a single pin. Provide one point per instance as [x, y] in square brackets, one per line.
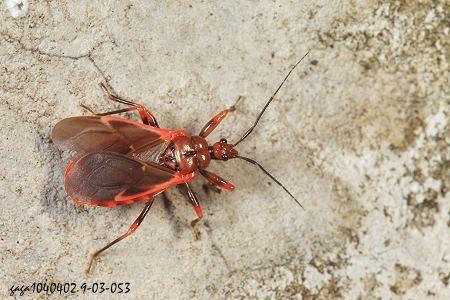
[110, 178]
[93, 134]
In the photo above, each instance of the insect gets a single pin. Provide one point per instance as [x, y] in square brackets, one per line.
[120, 161]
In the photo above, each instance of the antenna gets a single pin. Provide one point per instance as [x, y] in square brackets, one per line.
[273, 178]
[268, 102]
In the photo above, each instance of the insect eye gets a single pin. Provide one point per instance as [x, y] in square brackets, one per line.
[223, 141]
[224, 157]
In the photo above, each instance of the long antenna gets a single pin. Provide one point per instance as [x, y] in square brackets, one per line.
[268, 102]
[273, 178]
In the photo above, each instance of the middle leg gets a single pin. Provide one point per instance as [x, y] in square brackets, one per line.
[196, 205]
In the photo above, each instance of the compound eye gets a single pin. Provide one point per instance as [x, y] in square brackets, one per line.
[223, 141]
[224, 157]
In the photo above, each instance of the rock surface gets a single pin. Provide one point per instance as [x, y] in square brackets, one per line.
[359, 134]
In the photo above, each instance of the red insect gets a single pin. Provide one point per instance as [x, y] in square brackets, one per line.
[120, 161]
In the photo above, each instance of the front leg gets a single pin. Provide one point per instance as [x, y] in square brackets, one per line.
[215, 121]
[216, 180]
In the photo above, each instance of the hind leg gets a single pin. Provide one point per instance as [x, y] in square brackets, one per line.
[145, 114]
[131, 230]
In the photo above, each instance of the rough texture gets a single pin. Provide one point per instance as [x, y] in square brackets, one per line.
[359, 134]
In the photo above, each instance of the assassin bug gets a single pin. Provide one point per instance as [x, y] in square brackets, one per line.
[119, 161]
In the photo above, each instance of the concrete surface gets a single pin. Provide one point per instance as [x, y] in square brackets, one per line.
[359, 134]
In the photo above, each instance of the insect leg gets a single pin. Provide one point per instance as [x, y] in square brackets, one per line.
[195, 203]
[109, 112]
[238, 100]
[146, 116]
[212, 124]
[132, 229]
[217, 180]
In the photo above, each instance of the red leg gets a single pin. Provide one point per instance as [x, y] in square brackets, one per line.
[197, 208]
[109, 112]
[146, 116]
[212, 124]
[216, 180]
[132, 229]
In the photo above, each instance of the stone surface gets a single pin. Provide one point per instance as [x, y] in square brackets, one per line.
[359, 134]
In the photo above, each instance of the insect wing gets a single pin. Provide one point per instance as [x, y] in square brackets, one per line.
[93, 134]
[110, 178]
